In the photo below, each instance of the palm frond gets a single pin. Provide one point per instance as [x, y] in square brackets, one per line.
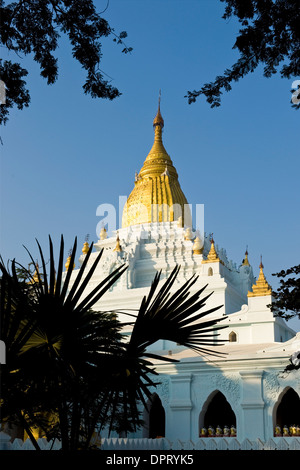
[54, 341]
[174, 317]
[73, 361]
[162, 315]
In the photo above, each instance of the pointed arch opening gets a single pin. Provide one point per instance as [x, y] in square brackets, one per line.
[286, 415]
[232, 337]
[217, 413]
[210, 271]
[154, 418]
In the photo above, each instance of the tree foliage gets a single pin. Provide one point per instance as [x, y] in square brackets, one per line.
[68, 370]
[287, 297]
[269, 36]
[35, 26]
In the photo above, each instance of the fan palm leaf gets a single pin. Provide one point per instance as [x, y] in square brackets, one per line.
[51, 335]
[162, 315]
[174, 317]
[73, 362]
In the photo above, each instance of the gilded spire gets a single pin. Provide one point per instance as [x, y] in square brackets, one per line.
[118, 246]
[157, 195]
[103, 234]
[158, 150]
[68, 263]
[158, 120]
[245, 260]
[212, 256]
[261, 287]
[85, 248]
[86, 245]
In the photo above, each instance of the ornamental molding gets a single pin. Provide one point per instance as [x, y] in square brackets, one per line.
[275, 382]
[228, 384]
[271, 387]
[163, 390]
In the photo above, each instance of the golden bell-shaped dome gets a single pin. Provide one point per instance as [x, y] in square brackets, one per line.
[157, 195]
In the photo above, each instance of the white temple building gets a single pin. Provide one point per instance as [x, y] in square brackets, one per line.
[245, 393]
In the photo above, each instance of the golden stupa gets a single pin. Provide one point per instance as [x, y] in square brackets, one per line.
[157, 195]
[261, 287]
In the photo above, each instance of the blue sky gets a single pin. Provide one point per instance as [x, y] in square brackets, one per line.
[67, 153]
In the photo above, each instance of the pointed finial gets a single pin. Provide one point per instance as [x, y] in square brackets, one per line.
[158, 120]
[86, 245]
[212, 256]
[68, 263]
[245, 261]
[261, 266]
[103, 234]
[85, 248]
[261, 287]
[118, 246]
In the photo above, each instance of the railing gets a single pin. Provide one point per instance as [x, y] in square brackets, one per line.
[115, 444]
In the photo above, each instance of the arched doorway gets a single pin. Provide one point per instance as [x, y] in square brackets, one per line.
[154, 418]
[232, 337]
[216, 412]
[287, 411]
